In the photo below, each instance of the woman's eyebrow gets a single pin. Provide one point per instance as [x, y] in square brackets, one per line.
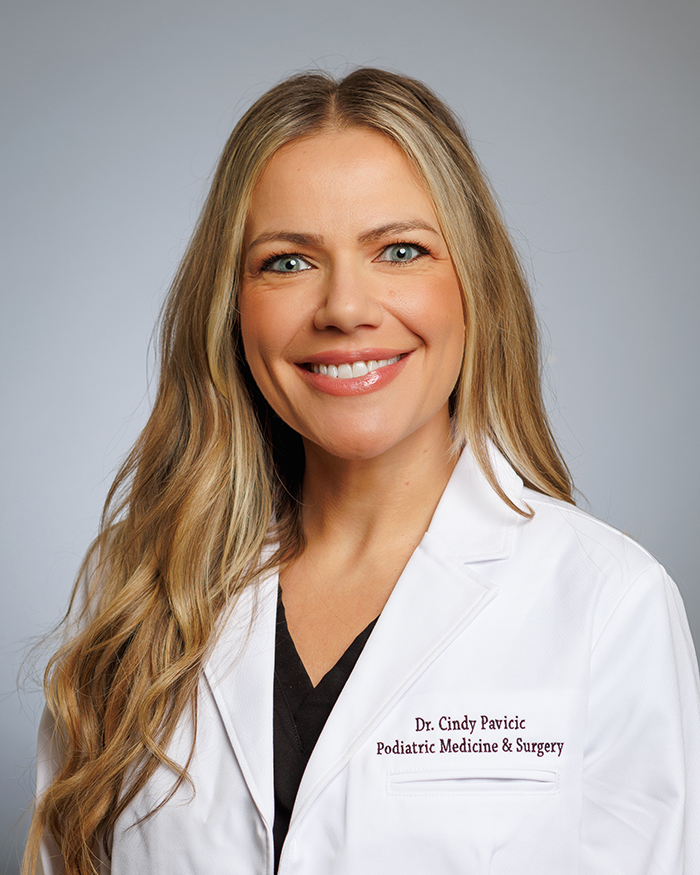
[288, 237]
[395, 228]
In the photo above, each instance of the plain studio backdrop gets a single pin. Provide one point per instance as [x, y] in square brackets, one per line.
[585, 116]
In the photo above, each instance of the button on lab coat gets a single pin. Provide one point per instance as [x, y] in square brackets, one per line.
[527, 704]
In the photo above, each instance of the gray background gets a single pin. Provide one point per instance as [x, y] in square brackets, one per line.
[112, 114]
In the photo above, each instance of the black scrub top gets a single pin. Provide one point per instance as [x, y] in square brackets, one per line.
[300, 713]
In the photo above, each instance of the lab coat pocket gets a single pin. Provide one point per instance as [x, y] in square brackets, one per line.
[473, 782]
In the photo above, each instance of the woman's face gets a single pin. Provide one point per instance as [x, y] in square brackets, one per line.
[351, 311]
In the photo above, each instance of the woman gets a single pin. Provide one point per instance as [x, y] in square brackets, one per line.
[348, 483]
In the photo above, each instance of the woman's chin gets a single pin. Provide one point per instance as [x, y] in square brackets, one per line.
[355, 449]
[378, 439]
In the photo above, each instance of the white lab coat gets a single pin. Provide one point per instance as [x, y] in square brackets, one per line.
[527, 704]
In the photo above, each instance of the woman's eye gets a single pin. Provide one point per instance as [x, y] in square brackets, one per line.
[400, 253]
[286, 264]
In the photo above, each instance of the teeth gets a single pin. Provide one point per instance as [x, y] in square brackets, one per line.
[356, 369]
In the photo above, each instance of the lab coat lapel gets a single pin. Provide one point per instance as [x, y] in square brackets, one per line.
[240, 674]
[438, 594]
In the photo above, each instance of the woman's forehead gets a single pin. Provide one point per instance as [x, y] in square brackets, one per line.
[338, 178]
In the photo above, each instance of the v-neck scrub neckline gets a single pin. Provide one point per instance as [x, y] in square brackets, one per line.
[300, 713]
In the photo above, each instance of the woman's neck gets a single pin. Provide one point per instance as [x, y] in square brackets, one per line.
[358, 505]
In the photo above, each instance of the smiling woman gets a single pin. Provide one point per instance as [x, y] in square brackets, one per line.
[370, 295]
[343, 615]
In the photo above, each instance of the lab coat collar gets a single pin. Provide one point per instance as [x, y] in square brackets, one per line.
[471, 521]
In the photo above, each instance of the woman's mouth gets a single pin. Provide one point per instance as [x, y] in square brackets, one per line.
[348, 370]
[331, 375]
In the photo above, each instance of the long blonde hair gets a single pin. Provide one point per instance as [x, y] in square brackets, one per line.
[214, 476]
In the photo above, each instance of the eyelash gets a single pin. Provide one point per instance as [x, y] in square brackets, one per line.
[271, 259]
[422, 251]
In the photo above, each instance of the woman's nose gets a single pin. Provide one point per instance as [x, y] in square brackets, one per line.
[348, 302]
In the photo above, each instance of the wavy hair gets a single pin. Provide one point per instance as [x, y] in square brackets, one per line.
[215, 476]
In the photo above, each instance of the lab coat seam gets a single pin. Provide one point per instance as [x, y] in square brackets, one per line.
[458, 563]
[653, 566]
[571, 510]
[627, 555]
[458, 559]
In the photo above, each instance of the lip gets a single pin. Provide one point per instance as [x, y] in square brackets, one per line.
[372, 382]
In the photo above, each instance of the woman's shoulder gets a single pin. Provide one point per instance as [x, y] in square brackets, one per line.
[591, 550]
[604, 568]
[594, 536]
